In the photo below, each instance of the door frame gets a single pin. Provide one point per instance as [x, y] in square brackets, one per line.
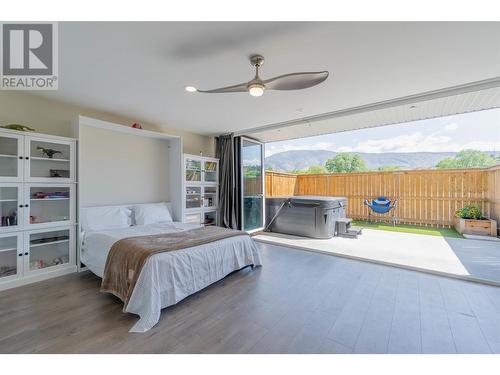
[243, 138]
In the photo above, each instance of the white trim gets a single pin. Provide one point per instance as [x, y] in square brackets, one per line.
[35, 134]
[406, 100]
[37, 277]
[204, 158]
[175, 165]
[242, 186]
[124, 128]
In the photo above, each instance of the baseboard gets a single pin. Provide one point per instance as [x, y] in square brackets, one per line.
[36, 278]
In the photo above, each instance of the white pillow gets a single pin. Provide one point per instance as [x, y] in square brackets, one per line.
[153, 213]
[110, 217]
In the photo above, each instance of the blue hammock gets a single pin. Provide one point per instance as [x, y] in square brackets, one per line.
[382, 205]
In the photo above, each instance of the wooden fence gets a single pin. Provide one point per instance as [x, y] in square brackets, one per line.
[426, 197]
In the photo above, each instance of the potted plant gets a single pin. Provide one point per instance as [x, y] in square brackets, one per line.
[470, 220]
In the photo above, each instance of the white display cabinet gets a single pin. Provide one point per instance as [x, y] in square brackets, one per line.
[200, 190]
[37, 207]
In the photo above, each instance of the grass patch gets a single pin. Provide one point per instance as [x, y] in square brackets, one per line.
[406, 228]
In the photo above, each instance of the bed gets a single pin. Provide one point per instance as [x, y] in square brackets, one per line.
[167, 277]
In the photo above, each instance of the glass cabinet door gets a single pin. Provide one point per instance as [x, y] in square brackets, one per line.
[193, 197]
[49, 161]
[48, 205]
[193, 170]
[10, 255]
[210, 171]
[10, 206]
[210, 196]
[47, 249]
[11, 158]
[210, 218]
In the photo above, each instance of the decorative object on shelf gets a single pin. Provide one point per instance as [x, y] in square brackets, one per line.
[18, 127]
[60, 260]
[7, 271]
[210, 167]
[136, 125]
[49, 152]
[51, 195]
[60, 173]
[9, 220]
[37, 264]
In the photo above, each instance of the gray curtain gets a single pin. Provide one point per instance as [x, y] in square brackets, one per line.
[227, 150]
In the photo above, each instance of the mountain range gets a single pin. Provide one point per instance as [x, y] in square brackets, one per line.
[303, 159]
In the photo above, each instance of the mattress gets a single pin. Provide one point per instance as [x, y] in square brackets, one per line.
[169, 277]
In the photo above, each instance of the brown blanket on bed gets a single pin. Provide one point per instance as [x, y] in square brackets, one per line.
[127, 256]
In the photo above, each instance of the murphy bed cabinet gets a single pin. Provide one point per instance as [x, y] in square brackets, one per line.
[37, 207]
[200, 190]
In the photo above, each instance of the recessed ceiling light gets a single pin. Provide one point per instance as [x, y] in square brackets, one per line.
[190, 89]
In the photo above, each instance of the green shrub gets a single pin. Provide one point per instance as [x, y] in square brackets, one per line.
[472, 211]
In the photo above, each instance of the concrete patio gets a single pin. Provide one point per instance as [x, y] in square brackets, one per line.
[475, 260]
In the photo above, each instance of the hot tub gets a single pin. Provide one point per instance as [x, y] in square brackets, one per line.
[305, 216]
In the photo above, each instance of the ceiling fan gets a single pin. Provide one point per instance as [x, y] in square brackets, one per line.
[256, 87]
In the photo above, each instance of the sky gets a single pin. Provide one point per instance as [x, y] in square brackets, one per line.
[476, 130]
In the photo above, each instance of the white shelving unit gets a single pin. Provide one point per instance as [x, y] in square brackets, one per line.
[37, 207]
[200, 190]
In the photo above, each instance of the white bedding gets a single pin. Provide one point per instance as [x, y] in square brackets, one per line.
[169, 277]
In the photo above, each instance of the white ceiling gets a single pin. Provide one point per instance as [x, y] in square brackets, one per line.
[139, 69]
[403, 110]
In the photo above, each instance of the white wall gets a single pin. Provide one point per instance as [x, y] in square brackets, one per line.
[56, 118]
[119, 168]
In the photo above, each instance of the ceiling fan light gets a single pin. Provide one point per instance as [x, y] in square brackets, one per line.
[256, 89]
[190, 89]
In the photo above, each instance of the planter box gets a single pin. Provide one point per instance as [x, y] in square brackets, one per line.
[486, 227]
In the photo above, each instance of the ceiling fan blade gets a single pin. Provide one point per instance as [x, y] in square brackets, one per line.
[242, 87]
[296, 81]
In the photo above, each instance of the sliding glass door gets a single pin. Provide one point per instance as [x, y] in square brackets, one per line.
[252, 174]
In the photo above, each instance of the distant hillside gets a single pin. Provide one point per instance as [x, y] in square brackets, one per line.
[303, 159]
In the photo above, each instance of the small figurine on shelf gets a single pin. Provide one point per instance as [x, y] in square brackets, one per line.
[18, 127]
[136, 125]
[48, 151]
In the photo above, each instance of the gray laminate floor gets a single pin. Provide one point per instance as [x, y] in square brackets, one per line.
[299, 302]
